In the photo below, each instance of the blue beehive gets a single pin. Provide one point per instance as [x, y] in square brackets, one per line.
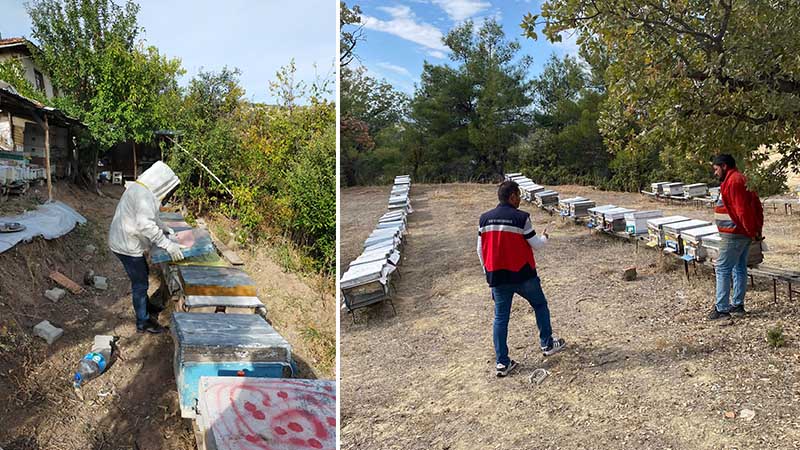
[225, 345]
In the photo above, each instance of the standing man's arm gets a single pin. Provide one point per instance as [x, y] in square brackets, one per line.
[480, 253]
[738, 205]
[536, 242]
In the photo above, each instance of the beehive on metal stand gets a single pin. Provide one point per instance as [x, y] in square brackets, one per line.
[364, 284]
[695, 190]
[596, 215]
[693, 249]
[711, 246]
[672, 234]
[658, 188]
[655, 229]
[673, 189]
[579, 210]
[564, 206]
[232, 345]
[614, 219]
[546, 198]
[636, 222]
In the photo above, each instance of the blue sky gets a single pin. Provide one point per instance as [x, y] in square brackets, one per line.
[400, 35]
[258, 37]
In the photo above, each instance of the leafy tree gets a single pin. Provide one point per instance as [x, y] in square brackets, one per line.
[105, 79]
[349, 38]
[13, 73]
[695, 78]
[368, 106]
[470, 115]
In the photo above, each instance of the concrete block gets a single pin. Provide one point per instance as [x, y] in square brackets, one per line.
[101, 283]
[55, 294]
[47, 331]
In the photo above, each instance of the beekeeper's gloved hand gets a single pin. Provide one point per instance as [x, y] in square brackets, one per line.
[175, 252]
[169, 231]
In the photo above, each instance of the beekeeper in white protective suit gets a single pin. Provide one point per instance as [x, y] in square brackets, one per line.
[135, 228]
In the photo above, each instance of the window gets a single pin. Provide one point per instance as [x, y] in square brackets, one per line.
[39, 80]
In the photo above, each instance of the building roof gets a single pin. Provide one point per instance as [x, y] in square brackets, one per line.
[14, 42]
[11, 100]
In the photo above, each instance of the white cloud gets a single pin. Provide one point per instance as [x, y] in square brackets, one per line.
[459, 10]
[404, 24]
[436, 54]
[394, 68]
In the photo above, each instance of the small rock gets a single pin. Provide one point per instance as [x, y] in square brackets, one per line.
[629, 274]
[730, 415]
[747, 414]
[100, 283]
[90, 249]
[47, 331]
[55, 294]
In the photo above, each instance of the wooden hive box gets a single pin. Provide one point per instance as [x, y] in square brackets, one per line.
[693, 249]
[565, 205]
[695, 190]
[596, 215]
[232, 345]
[658, 188]
[636, 222]
[221, 281]
[655, 229]
[614, 219]
[711, 247]
[580, 209]
[672, 234]
[673, 189]
[263, 413]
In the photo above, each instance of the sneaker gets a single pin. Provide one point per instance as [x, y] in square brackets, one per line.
[737, 310]
[556, 346]
[503, 370]
[716, 315]
[152, 328]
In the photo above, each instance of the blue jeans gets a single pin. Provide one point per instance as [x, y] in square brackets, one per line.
[733, 252]
[530, 290]
[139, 273]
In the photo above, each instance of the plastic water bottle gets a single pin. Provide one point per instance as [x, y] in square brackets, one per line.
[94, 363]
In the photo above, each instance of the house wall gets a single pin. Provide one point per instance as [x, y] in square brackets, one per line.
[29, 67]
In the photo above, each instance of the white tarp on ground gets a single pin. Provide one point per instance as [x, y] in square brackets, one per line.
[50, 221]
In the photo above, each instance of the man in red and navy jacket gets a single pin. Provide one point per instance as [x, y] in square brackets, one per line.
[506, 240]
[739, 218]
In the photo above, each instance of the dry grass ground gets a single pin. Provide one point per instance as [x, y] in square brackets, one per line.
[643, 368]
[133, 405]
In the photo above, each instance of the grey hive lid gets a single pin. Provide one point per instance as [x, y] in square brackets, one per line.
[236, 331]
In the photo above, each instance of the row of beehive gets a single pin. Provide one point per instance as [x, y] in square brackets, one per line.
[690, 239]
[367, 278]
[223, 342]
[11, 173]
[682, 191]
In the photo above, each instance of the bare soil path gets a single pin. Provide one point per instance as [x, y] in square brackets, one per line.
[643, 368]
[134, 405]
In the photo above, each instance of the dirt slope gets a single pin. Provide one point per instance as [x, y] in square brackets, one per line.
[643, 370]
[134, 404]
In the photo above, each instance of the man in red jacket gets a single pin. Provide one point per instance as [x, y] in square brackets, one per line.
[739, 218]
